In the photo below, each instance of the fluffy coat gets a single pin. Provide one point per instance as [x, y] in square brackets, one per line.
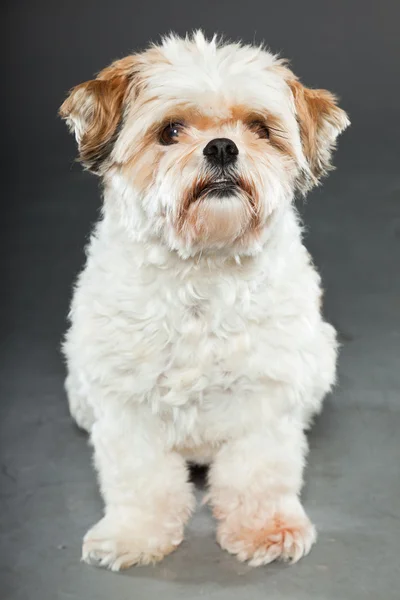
[198, 342]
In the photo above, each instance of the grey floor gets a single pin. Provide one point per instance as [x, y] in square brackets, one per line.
[49, 495]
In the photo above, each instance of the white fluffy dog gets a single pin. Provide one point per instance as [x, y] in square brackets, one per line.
[196, 333]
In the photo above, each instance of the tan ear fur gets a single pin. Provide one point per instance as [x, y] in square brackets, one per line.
[94, 111]
[320, 121]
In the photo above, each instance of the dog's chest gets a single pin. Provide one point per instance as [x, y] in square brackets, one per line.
[210, 333]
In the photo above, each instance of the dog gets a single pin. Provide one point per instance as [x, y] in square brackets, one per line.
[196, 333]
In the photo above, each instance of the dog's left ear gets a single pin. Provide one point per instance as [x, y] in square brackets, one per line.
[94, 110]
[320, 121]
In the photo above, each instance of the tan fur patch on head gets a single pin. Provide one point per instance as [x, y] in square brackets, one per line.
[94, 111]
[142, 167]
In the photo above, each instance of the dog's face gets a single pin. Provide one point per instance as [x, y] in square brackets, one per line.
[203, 143]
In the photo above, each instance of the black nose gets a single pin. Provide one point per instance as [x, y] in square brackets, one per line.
[221, 151]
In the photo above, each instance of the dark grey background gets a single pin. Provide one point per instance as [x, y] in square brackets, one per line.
[48, 491]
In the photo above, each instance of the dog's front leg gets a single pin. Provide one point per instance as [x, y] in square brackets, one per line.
[255, 484]
[147, 496]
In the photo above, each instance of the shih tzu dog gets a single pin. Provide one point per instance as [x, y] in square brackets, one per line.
[196, 331]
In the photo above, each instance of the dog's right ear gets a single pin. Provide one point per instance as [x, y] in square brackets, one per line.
[94, 111]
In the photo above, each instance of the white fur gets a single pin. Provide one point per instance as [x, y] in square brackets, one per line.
[218, 356]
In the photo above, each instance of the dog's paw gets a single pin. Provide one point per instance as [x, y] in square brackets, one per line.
[115, 545]
[283, 537]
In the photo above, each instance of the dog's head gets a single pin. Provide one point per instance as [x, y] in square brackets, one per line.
[203, 142]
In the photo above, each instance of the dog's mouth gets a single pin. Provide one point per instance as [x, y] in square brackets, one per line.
[217, 187]
[220, 200]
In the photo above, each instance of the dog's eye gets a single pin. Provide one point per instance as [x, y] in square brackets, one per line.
[260, 128]
[170, 133]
